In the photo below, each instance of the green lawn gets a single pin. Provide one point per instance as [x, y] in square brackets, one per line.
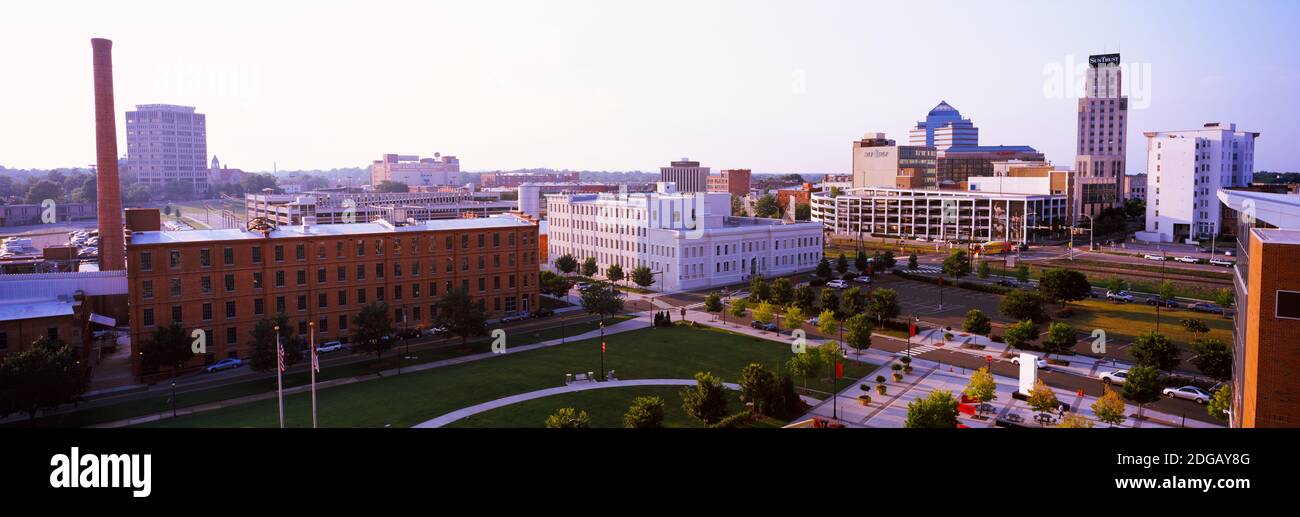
[403, 401]
[155, 404]
[1125, 321]
[605, 406]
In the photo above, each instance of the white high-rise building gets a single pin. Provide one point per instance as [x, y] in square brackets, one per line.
[1185, 171]
[944, 127]
[167, 144]
[688, 175]
[1102, 127]
[688, 240]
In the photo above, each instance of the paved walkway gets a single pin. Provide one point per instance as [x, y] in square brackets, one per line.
[577, 386]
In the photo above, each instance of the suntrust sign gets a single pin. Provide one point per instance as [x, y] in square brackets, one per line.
[1103, 59]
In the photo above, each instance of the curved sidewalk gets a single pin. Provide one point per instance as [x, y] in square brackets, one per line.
[515, 399]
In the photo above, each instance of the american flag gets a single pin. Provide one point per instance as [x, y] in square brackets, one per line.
[315, 360]
[279, 354]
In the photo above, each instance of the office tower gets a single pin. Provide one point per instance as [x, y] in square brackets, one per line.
[167, 144]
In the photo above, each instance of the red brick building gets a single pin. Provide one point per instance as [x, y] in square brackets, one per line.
[225, 281]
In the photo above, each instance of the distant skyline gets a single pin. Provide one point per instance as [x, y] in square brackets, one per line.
[588, 85]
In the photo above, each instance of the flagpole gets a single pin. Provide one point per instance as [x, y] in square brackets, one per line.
[279, 374]
[315, 365]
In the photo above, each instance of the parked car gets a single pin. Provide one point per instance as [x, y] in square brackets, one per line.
[408, 333]
[1149, 256]
[1206, 307]
[1009, 282]
[1170, 303]
[583, 286]
[329, 346]
[770, 327]
[1122, 296]
[1187, 260]
[814, 320]
[1221, 262]
[224, 364]
[863, 279]
[1042, 363]
[515, 316]
[1115, 377]
[837, 284]
[1192, 393]
[433, 331]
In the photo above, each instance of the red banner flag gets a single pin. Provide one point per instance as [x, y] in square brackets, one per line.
[911, 330]
[602, 346]
[839, 370]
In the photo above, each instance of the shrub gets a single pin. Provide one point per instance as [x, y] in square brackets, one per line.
[735, 420]
[905, 360]
[881, 389]
[996, 338]
[895, 367]
[898, 377]
[880, 378]
[864, 399]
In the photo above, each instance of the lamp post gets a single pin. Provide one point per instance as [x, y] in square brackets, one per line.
[602, 347]
[173, 399]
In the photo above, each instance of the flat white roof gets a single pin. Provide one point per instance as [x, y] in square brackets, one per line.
[30, 310]
[296, 231]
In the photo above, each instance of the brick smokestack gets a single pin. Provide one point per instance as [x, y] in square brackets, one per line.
[112, 248]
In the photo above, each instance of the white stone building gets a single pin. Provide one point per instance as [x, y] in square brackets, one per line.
[688, 240]
[1186, 170]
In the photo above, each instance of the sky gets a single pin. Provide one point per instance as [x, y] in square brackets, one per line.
[773, 86]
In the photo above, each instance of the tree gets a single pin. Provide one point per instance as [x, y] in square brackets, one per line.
[1109, 408]
[1143, 386]
[1221, 405]
[566, 263]
[614, 273]
[804, 365]
[912, 263]
[1020, 334]
[803, 212]
[759, 291]
[824, 268]
[858, 332]
[827, 324]
[461, 316]
[760, 388]
[263, 343]
[1114, 284]
[602, 299]
[642, 276]
[767, 206]
[737, 207]
[1166, 290]
[553, 284]
[860, 262]
[977, 323]
[1213, 358]
[1195, 325]
[568, 418]
[854, 301]
[828, 355]
[169, 347]
[984, 270]
[738, 308]
[781, 291]
[372, 327]
[1042, 398]
[42, 190]
[46, 375]
[938, 410]
[1022, 305]
[794, 317]
[713, 303]
[1224, 297]
[392, 186]
[1155, 350]
[981, 386]
[1062, 286]
[1074, 421]
[1060, 338]
[707, 400]
[645, 413]
[884, 304]
[830, 300]
[957, 264]
[763, 313]
[804, 298]
[589, 267]
[887, 260]
[1022, 274]
[842, 264]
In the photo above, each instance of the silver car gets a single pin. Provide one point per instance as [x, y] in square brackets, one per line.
[1191, 393]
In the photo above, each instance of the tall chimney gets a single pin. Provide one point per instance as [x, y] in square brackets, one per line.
[112, 249]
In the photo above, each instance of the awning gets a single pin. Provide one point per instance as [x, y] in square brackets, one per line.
[103, 320]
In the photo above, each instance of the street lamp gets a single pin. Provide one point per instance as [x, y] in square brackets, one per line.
[602, 347]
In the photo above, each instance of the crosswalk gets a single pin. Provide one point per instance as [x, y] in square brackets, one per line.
[924, 268]
[918, 349]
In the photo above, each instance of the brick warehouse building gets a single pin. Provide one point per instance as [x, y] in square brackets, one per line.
[225, 281]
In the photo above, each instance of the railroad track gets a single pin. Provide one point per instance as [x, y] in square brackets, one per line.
[1171, 275]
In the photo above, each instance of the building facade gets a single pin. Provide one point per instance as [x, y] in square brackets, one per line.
[1102, 125]
[687, 175]
[731, 181]
[218, 175]
[1187, 170]
[330, 207]
[415, 171]
[688, 240]
[18, 215]
[515, 179]
[957, 163]
[1135, 186]
[167, 144]
[981, 214]
[224, 281]
[944, 127]
[879, 162]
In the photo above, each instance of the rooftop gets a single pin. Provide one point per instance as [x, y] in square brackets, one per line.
[990, 149]
[298, 231]
[1277, 236]
[30, 310]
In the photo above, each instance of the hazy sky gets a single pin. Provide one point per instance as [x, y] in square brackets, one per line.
[621, 85]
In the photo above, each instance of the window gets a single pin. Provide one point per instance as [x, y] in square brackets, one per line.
[302, 302]
[324, 325]
[178, 314]
[207, 312]
[174, 259]
[279, 278]
[230, 309]
[343, 274]
[146, 261]
[361, 248]
[147, 288]
[257, 280]
[379, 293]
[228, 256]
[279, 253]
[279, 304]
[300, 252]
[322, 300]
[361, 272]
[320, 275]
[302, 277]
[257, 254]
[361, 296]
[205, 284]
[232, 335]
[175, 286]
[343, 322]
[259, 306]
[230, 283]
[148, 317]
[343, 297]
[1288, 304]
[397, 292]
[379, 270]
[205, 257]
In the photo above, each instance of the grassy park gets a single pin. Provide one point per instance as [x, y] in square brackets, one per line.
[1125, 321]
[406, 400]
[605, 406]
